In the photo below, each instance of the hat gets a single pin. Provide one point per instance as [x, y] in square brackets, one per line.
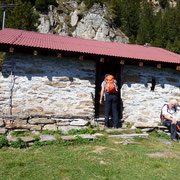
[106, 75]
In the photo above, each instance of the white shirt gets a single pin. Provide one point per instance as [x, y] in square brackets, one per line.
[170, 112]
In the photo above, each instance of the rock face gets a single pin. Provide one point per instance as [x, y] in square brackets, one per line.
[73, 19]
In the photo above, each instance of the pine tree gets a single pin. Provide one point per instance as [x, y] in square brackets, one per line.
[21, 17]
[146, 26]
[130, 17]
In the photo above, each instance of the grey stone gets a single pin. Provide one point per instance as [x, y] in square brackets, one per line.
[74, 18]
[44, 138]
[25, 139]
[52, 127]
[41, 121]
[165, 141]
[3, 131]
[65, 129]
[79, 122]
[1, 123]
[129, 136]
[68, 138]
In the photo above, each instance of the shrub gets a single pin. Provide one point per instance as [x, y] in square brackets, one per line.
[88, 130]
[19, 143]
[42, 5]
[3, 141]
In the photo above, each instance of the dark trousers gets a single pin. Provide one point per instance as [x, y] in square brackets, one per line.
[111, 106]
[172, 127]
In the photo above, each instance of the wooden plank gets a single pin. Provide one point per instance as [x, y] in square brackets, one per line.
[102, 60]
[11, 49]
[81, 58]
[178, 68]
[35, 52]
[141, 64]
[159, 66]
[122, 62]
[59, 55]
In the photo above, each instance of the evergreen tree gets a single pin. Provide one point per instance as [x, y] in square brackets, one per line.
[129, 16]
[42, 5]
[146, 26]
[21, 17]
[164, 3]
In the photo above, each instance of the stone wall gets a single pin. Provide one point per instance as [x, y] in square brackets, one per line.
[141, 105]
[39, 93]
[62, 90]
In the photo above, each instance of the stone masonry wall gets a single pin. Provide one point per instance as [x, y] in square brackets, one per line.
[141, 105]
[47, 92]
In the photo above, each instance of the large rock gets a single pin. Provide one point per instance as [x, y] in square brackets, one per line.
[74, 19]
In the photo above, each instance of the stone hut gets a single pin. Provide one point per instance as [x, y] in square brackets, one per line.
[53, 82]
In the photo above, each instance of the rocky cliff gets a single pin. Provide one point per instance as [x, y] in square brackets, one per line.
[71, 18]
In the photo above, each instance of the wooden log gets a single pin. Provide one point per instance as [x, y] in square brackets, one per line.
[59, 55]
[35, 52]
[102, 60]
[122, 62]
[178, 68]
[81, 58]
[159, 66]
[11, 49]
[141, 64]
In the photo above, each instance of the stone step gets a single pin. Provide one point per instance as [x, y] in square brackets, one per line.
[129, 136]
[84, 136]
[120, 130]
[146, 126]
[27, 139]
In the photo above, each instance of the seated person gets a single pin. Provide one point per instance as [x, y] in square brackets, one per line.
[168, 113]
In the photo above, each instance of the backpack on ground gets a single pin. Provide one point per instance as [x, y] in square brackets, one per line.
[111, 86]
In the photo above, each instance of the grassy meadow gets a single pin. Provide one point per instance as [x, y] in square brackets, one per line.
[102, 159]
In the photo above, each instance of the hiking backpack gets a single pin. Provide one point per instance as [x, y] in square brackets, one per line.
[161, 116]
[111, 86]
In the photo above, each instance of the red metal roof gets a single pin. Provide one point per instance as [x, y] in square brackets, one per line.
[64, 43]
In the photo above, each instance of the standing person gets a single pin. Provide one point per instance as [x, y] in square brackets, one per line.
[110, 89]
[168, 113]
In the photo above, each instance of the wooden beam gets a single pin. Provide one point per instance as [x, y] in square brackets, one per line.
[102, 60]
[122, 62]
[35, 52]
[159, 66]
[59, 55]
[141, 64]
[81, 58]
[11, 49]
[178, 68]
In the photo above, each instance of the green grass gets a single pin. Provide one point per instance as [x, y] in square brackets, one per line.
[81, 160]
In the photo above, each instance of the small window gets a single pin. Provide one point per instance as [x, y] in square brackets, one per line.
[153, 84]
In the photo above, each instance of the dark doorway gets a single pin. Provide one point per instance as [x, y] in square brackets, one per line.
[108, 67]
